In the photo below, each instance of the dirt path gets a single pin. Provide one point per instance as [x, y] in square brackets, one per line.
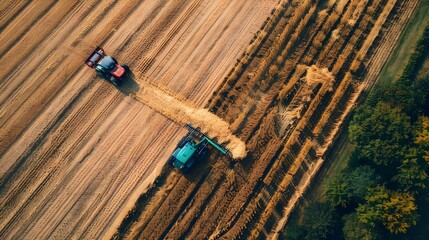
[75, 152]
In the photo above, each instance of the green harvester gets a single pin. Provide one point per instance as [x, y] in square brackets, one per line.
[192, 147]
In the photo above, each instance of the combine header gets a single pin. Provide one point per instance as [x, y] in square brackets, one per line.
[192, 147]
[107, 67]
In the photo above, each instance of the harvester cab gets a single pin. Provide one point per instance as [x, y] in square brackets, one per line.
[192, 147]
[107, 67]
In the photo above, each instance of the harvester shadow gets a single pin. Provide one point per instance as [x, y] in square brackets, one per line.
[198, 172]
[130, 85]
[203, 167]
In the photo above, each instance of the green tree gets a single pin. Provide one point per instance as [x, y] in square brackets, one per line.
[381, 134]
[412, 174]
[422, 132]
[353, 229]
[410, 96]
[396, 211]
[319, 221]
[422, 136]
[338, 190]
[294, 232]
[362, 178]
[342, 189]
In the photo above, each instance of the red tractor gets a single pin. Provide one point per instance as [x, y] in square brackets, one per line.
[107, 67]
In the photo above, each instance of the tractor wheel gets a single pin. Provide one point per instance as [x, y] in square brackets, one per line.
[103, 75]
[170, 160]
[114, 59]
[115, 81]
[100, 74]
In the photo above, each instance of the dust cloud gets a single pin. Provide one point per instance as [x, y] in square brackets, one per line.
[182, 112]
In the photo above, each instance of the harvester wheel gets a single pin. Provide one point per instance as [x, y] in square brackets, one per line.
[170, 160]
[182, 142]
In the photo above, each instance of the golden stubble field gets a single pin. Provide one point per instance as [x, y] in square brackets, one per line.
[76, 153]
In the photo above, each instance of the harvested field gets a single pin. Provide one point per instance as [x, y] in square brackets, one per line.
[286, 98]
[76, 152]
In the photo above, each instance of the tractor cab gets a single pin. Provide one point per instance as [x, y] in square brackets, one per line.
[108, 63]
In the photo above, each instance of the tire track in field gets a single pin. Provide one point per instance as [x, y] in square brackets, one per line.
[28, 43]
[54, 173]
[224, 58]
[31, 17]
[8, 12]
[52, 149]
[196, 56]
[22, 72]
[199, 39]
[43, 160]
[176, 45]
[159, 27]
[135, 173]
[107, 174]
[75, 61]
[30, 141]
[28, 91]
[177, 25]
[81, 168]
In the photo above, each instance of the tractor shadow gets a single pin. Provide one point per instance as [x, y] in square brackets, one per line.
[130, 85]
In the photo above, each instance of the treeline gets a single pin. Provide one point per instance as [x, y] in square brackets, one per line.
[383, 192]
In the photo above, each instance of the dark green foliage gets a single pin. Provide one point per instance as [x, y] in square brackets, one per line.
[338, 190]
[396, 211]
[412, 174]
[392, 136]
[353, 229]
[362, 178]
[294, 232]
[381, 133]
[412, 97]
[422, 134]
[346, 188]
[320, 221]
